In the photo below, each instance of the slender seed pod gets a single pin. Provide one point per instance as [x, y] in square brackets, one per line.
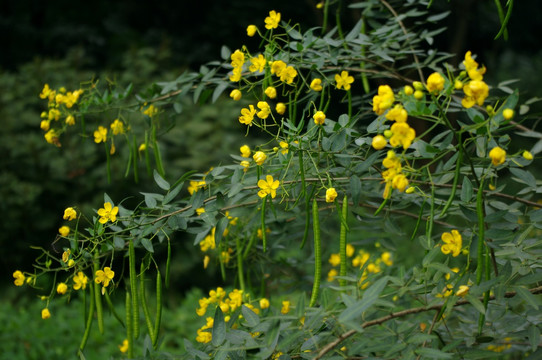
[158, 318]
[342, 240]
[133, 290]
[455, 182]
[129, 325]
[98, 300]
[143, 300]
[317, 254]
[90, 316]
[264, 237]
[168, 262]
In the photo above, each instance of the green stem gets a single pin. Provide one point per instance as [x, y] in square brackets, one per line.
[158, 309]
[112, 308]
[317, 254]
[264, 235]
[90, 316]
[129, 325]
[98, 299]
[455, 182]
[133, 289]
[342, 241]
[481, 232]
[240, 265]
[157, 155]
[168, 262]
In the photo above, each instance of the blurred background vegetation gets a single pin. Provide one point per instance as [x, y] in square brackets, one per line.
[120, 42]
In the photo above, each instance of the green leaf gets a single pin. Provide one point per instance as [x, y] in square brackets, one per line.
[163, 184]
[477, 304]
[219, 328]
[250, 316]
[355, 188]
[218, 91]
[534, 336]
[527, 296]
[433, 353]
[370, 296]
[466, 190]
[172, 194]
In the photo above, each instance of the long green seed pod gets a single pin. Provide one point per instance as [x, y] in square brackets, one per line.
[143, 299]
[264, 237]
[98, 300]
[158, 318]
[168, 262]
[342, 241]
[90, 316]
[317, 254]
[129, 325]
[112, 308]
[454, 184]
[481, 263]
[133, 289]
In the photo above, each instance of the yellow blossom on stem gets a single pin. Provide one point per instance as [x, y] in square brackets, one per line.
[343, 80]
[471, 66]
[331, 194]
[397, 113]
[264, 303]
[64, 231]
[61, 288]
[497, 155]
[100, 135]
[245, 164]
[452, 243]
[476, 92]
[408, 90]
[288, 74]
[108, 213]
[117, 127]
[277, 67]
[462, 291]
[272, 21]
[104, 276]
[334, 259]
[403, 135]
[265, 110]
[245, 151]
[285, 307]
[271, 92]
[384, 100]
[195, 186]
[208, 242]
[251, 30]
[45, 314]
[435, 83]
[19, 278]
[257, 63]
[316, 84]
[259, 157]
[206, 260]
[268, 187]
[69, 214]
[247, 115]
[124, 346]
[151, 111]
[70, 120]
[379, 142]
[51, 137]
[350, 250]
[331, 275]
[80, 281]
[236, 94]
[280, 108]
[142, 147]
[319, 118]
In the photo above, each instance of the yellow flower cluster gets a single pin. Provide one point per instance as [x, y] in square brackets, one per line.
[285, 72]
[476, 90]
[237, 62]
[268, 187]
[393, 176]
[500, 348]
[59, 103]
[453, 242]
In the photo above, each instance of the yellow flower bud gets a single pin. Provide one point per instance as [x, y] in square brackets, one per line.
[497, 155]
[388, 133]
[410, 190]
[379, 142]
[527, 155]
[236, 94]
[408, 90]
[417, 85]
[458, 85]
[280, 108]
[271, 92]
[251, 30]
[508, 114]
[319, 118]
[418, 94]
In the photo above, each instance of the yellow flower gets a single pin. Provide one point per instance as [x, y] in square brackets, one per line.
[476, 92]
[104, 276]
[285, 307]
[284, 147]
[331, 194]
[398, 114]
[458, 85]
[379, 142]
[245, 164]
[117, 127]
[331, 275]
[277, 67]
[45, 314]
[80, 281]
[208, 242]
[452, 243]
[471, 67]
[251, 30]
[51, 137]
[62, 288]
[45, 124]
[257, 64]
[343, 80]
[19, 278]
[272, 21]
[124, 346]
[100, 135]
[236, 94]
[497, 155]
[527, 155]
[194, 186]
[259, 157]
[271, 92]
[245, 151]
[280, 108]
[435, 82]
[288, 74]
[70, 214]
[150, 111]
[70, 120]
[350, 250]
[247, 115]
[200, 210]
[386, 258]
[319, 118]
[264, 303]
[206, 260]
[402, 135]
[66, 255]
[462, 291]
[508, 114]
[142, 147]
[265, 110]
[316, 84]
[384, 100]
[418, 94]
[108, 213]
[334, 259]
[46, 92]
[268, 186]
[64, 231]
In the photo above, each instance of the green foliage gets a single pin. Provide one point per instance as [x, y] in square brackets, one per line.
[436, 234]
